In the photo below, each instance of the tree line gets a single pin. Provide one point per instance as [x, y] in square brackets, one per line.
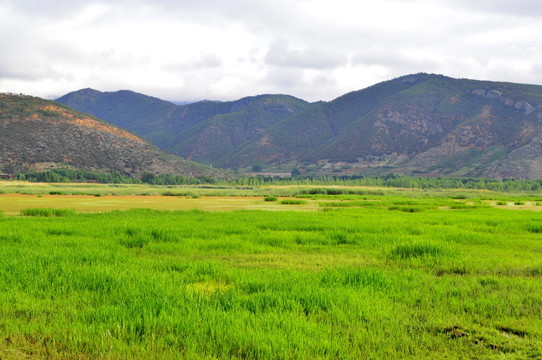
[81, 176]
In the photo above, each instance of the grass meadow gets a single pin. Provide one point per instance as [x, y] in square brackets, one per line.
[372, 275]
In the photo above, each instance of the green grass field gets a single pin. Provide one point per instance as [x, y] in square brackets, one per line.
[364, 276]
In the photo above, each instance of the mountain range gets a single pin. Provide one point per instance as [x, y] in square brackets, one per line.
[421, 124]
[205, 131]
[38, 134]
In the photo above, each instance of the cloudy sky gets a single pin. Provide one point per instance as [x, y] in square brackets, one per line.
[185, 50]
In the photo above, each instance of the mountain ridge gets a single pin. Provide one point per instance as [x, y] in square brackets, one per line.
[422, 124]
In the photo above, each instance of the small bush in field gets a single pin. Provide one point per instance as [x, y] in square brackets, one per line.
[47, 212]
[293, 202]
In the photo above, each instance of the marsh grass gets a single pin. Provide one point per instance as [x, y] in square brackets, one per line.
[535, 227]
[416, 250]
[407, 209]
[354, 282]
[347, 204]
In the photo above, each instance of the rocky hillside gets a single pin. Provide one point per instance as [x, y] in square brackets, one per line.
[418, 124]
[37, 134]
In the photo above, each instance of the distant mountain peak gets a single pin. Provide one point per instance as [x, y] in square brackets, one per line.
[85, 92]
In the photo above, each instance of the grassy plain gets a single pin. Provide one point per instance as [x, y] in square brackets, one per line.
[380, 274]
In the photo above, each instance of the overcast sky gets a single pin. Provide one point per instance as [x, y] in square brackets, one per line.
[183, 50]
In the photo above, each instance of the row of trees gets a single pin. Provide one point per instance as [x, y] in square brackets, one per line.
[508, 185]
[81, 176]
[67, 175]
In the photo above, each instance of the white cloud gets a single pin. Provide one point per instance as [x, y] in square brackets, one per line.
[317, 49]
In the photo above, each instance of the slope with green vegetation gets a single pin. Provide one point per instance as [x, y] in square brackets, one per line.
[221, 126]
[38, 135]
[213, 140]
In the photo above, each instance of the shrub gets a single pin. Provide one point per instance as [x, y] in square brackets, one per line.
[293, 202]
[314, 191]
[171, 193]
[461, 206]
[348, 204]
[407, 209]
[47, 212]
[270, 198]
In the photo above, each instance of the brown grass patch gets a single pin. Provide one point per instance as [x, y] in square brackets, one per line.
[11, 204]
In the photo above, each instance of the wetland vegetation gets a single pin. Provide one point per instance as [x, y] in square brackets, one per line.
[336, 272]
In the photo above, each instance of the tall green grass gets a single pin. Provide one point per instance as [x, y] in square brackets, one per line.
[416, 250]
[354, 283]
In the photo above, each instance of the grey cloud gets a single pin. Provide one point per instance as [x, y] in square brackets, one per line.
[323, 81]
[281, 54]
[205, 61]
[394, 61]
[27, 70]
[21, 58]
[53, 9]
[284, 78]
[208, 61]
[294, 81]
[528, 8]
